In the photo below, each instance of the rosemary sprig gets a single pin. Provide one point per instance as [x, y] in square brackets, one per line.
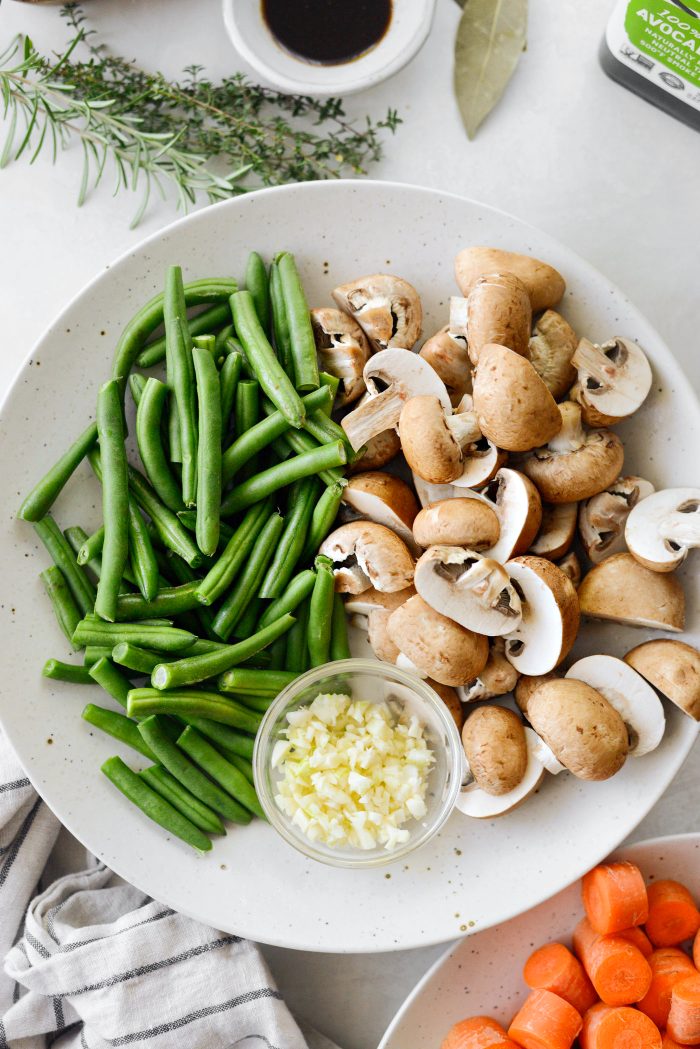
[200, 139]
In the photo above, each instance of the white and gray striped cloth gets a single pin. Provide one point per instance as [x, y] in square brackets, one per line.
[93, 963]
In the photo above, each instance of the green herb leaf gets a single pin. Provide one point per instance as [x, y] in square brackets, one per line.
[490, 38]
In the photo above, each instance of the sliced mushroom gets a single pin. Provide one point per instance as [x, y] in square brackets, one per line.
[436, 645]
[498, 311]
[387, 308]
[496, 679]
[664, 527]
[623, 590]
[472, 590]
[435, 493]
[386, 499]
[583, 731]
[519, 509]
[673, 668]
[457, 522]
[391, 377]
[571, 567]
[550, 616]
[574, 464]
[550, 351]
[602, 518]
[514, 408]
[447, 354]
[450, 698]
[370, 611]
[496, 750]
[544, 284]
[342, 350]
[627, 691]
[613, 380]
[475, 802]
[379, 451]
[556, 532]
[366, 554]
[432, 440]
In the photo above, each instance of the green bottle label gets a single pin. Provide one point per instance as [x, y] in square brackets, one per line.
[668, 33]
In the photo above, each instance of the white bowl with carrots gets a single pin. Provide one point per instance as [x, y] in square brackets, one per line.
[612, 962]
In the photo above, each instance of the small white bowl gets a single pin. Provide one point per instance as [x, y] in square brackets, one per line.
[408, 29]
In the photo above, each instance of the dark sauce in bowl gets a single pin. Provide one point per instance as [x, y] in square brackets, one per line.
[327, 32]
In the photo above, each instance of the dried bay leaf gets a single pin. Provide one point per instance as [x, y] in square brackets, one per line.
[490, 38]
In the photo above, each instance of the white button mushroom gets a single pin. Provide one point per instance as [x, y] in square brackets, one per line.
[387, 308]
[446, 353]
[498, 311]
[385, 499]
[496, 679]
[343, 351]
[457, 522]
[627, 691]
[556, 532]
[661, 530]
[366, 554]
[613, 380]
[673, 668]
[624, 591]
[519, 510]
[477, 803]
[602, 518]
[550, 351]
[550, 616]
[437, 646]
[513, 406]
[544, 284]
[473, 590]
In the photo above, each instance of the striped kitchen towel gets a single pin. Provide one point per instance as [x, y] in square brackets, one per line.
[93, 963]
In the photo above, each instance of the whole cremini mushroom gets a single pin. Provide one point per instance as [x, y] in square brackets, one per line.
[673, 668]
[556, 532]
[613, 380]
[498, 310]
[387, 308]
[435, 645]
[366, 554]
[473, 590]
[343, 351]
[574, 464]
[496, 749]
[514, 408]
[551, 348]
[544, 284]
[602, 518]
[664, 527]
[549, 619]
[447, 354]
[433, 440]
[498, 677]
[623, 590]
[383, 498]
[457, 522]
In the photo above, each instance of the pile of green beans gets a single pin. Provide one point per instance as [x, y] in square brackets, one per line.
[199, 596]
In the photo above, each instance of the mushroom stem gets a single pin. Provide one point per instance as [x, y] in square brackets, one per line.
[464, 428]
[600, 363]
[682, 526]
[377, 413]
[571, 437]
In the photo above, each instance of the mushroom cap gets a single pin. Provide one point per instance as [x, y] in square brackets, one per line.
[475, 802]
[378, 635]
[387, 308]
[673, 668]
[450, 698]
[627, 691]
[496, 679]
[498, 311]
[550, 616]
[551, 348]
[571, 567]
[624, 591]
[544, 284]
[441, 648]
[447, 355]
[379, 450]
[343, 351]
[428, 445]
[366, 554]
[613, 379]
[580, 727]
[496, 749]
[662, 528]
[556, 532]
[519, 509]
[386, 499]
[514, 408]
[527, 684]
[602, 518]
[474, 591]
[457, 522]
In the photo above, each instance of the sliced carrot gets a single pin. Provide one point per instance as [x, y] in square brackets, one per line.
[479, 1032]
[670, 1043]
[615, 897]
[638, 937]
[668, 967]
[617, 969]
[554, 968]
[684, 1016]
[545, 1021]
[605, 1027]
[673, 916]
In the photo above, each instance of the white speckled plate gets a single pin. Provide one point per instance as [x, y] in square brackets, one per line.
[474, 874]
[481, 975]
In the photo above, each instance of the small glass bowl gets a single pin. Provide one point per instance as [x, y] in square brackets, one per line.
[375, 682]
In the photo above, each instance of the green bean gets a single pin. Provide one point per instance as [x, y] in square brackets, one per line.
[301, 442]
[301, 336]
[65, 609]
[247, 414]
[173, 430]
[169, 601]
[228, 377]
[280, 324]
[245, 626]
[332, 382]
[278, 653]
[116, 684]
[204, 342]
[187, 577]
[228, 740]
[248, 444]
[180, 374]
[322, 520]
[190, 669]
[137, 384]
[167, 639]
[148, 436]
[257, 284]
[301, 500]
[297, 643]
[340, 648]
[92, 547]
[324, 429]
[244, 766]
[160, 780]
[208, 320]
[77, 537]
[170, 529]
[115, 498]
[208, 451]
[324, 457]
[257, 701]
[297, 590]
[189, 519]
[145, 322]
[191, 702]
[221, 771]
[71, 672]
[261, 357]
[142, 557]
[221, 348]
[93, 653]
[118, 726]
[246, 681]
[59, 548]
[153, 805]
[179, 766]
[321, 612]
[43, 495]
[143, 660]
[247, 586]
